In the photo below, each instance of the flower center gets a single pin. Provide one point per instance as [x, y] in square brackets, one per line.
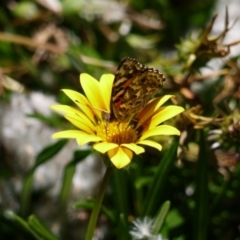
[116, 132]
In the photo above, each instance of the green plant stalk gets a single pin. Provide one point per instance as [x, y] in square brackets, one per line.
[201, 210]
[156, 189]
[121, 187]
[96, 209]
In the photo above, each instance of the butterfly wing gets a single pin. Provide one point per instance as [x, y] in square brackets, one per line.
[134, 85]
[126, 72]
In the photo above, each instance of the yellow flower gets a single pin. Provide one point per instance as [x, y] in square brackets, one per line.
[118, 139]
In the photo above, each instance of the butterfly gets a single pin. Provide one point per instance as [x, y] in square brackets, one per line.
[134, 85]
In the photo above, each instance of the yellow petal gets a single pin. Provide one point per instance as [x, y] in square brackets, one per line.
[80, 116]
[93, 92]
[81, 102]
[65, 109]
[165, 114]
[163, 100]
[151, 144]
[151, 108]
[120, 156]
[86, 138]
[103, 147]
[135, 148]
[82, 123]
[106, 82]
[160, 130]
[76, 117]
[68, 134]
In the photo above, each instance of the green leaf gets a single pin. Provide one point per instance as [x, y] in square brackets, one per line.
[68, 175]
[49, 152]
[90, 204]
[158, 222]
[174, 219]
[42, 157]
[23, 223]
[54, 120]
[40, 229]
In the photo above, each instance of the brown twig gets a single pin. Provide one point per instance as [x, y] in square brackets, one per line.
[21, 40]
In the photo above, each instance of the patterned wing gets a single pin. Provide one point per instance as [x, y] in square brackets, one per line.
[134, 85]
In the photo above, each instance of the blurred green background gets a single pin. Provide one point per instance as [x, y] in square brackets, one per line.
[45, 45]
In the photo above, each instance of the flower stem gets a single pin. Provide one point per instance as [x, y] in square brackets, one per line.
[96, 209]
